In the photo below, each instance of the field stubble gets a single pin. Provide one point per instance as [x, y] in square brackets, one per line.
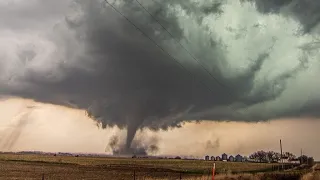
[19, 166]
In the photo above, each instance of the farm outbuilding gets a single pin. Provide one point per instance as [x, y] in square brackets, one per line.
[239, 158]
[231, 158]
[212, 158]
[218, 158]
[224, 157]
[206, 158]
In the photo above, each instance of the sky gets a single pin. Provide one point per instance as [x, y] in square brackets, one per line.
[160, 66]
[54, 128]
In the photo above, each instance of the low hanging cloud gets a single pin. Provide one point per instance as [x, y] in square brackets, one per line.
[83, 54]
[55, 128]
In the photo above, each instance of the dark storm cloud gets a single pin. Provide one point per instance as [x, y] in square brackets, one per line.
[27, 14]
[94, 59]
[306, 11]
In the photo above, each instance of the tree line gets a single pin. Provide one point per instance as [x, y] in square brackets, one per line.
[272, 156]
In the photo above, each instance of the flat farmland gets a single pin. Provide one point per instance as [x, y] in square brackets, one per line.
[23, 166]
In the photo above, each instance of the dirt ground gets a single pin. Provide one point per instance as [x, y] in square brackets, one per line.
[21, 166]
[55, 171]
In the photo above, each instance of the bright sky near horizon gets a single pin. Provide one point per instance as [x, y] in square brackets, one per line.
[55, 128]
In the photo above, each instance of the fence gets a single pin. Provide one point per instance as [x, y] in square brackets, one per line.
[142, 174]
[135, 173]
[280, 167]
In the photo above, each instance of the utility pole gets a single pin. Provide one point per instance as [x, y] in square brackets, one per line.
[301, 156]
[281, 158]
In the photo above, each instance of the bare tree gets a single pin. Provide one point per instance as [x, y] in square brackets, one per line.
[289, 155]
[260, 156]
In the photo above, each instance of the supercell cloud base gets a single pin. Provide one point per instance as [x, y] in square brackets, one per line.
[59, 129]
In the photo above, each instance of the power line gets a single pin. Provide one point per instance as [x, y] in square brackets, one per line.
[153, 41]
[193, 57]
[156, 44]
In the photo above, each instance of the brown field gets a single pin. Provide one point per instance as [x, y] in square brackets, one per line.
[17, 166]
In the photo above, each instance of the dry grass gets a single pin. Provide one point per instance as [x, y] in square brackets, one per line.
[314, 175]
[311, 176]
[196, 166]
[13, 166]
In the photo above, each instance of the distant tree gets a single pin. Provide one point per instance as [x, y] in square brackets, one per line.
[289, 155]
[260, 156]
[273, 156]
[276, 157]
[178, 157]
[253, 156]
[303, 159]
[270, 156]
[310, 161]
[306, 160]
